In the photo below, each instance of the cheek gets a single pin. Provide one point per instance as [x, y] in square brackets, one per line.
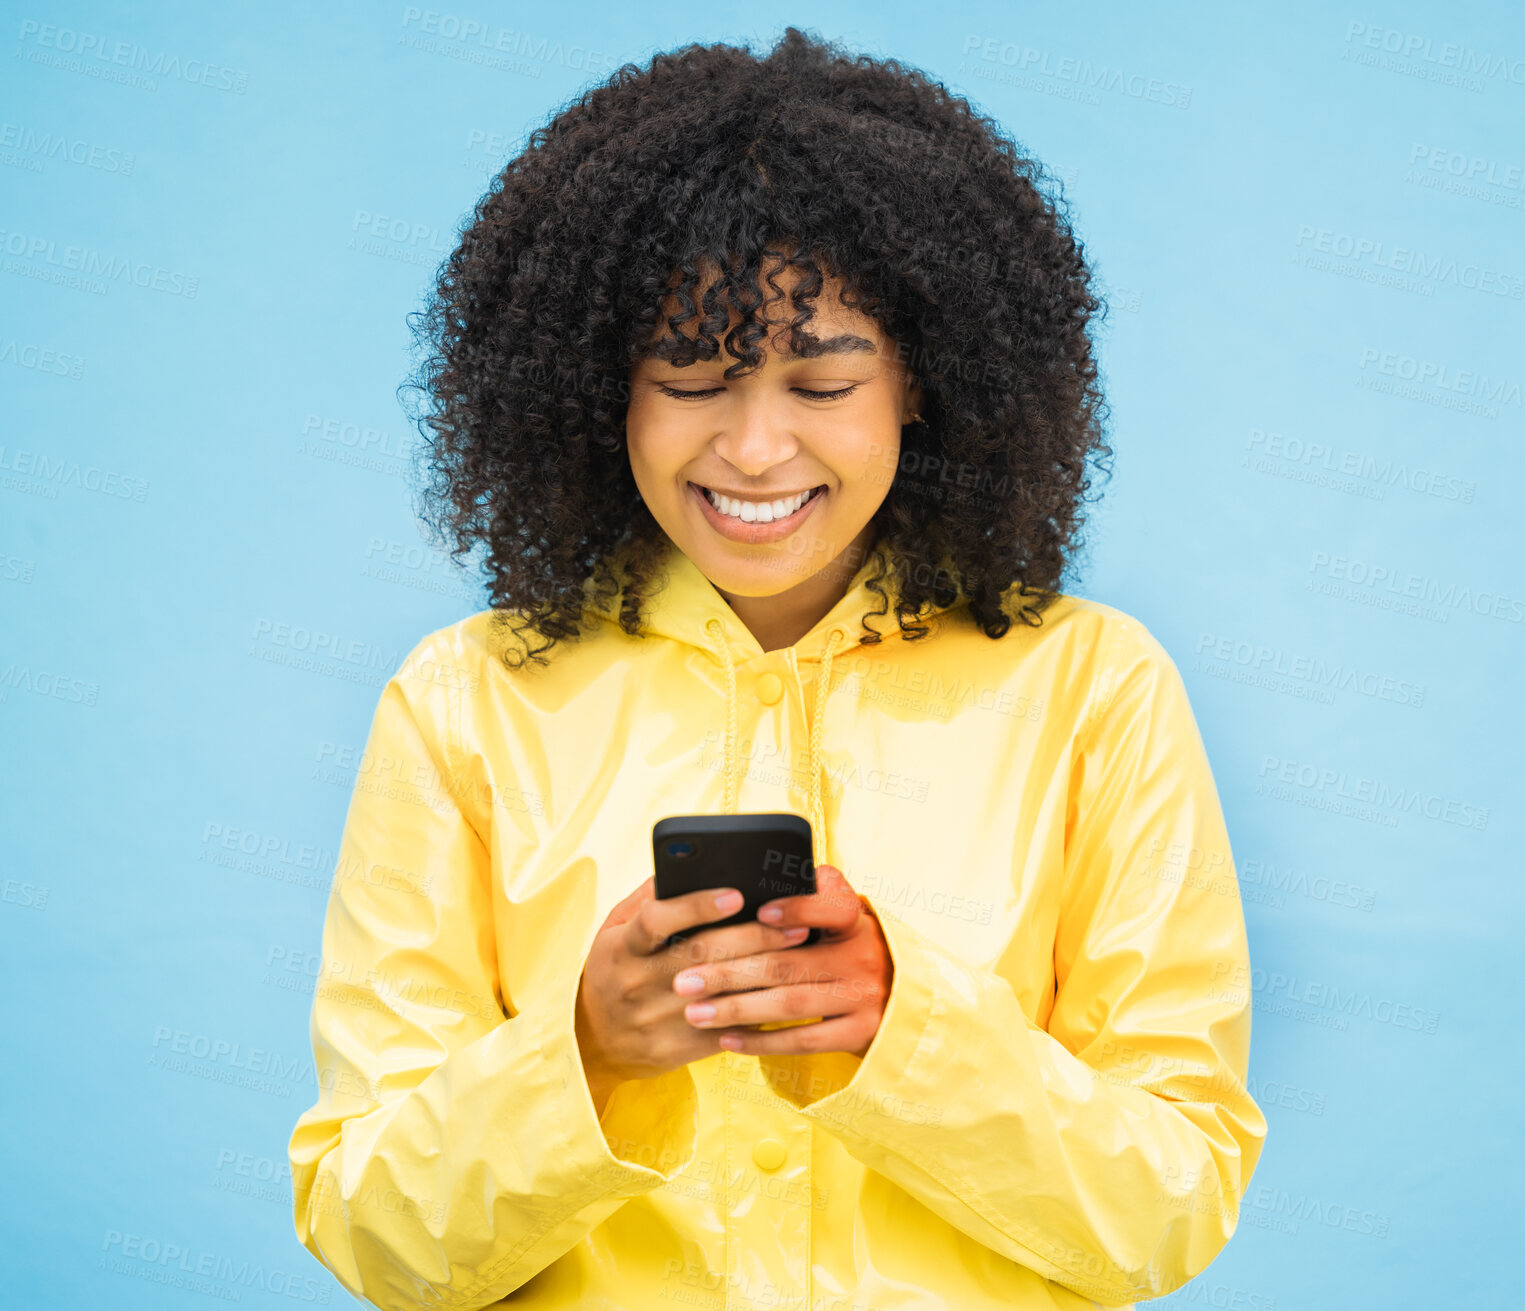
[644, 443]
[660, 436]
[870, 469]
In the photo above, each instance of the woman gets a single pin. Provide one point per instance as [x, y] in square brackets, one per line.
[766, 386]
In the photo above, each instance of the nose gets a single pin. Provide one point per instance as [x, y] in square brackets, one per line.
[756, 436]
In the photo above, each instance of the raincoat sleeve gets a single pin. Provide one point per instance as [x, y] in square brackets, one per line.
[1108, 1149]
[453, 1151]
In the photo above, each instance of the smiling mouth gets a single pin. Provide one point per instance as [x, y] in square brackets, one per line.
[771, 511]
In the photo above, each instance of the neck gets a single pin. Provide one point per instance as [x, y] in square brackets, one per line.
[782, 619]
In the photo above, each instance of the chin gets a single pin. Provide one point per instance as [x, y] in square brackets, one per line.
[759, 576]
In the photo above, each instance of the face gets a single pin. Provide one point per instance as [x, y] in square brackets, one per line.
[768, 481]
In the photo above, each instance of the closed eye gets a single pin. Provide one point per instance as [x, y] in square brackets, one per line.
[805, 392]
[836, 395]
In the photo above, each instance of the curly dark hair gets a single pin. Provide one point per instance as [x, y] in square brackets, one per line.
[701, 168]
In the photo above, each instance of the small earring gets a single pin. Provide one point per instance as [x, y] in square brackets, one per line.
[914, 418]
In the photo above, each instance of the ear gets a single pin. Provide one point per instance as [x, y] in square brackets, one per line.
[913, 398]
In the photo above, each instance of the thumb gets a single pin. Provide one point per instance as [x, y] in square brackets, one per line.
[625, 911]
[832, 885]
[833, 875]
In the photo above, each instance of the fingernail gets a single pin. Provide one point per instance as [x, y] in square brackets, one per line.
[771, 914]
[729, 900]
[796, 935]
[731, 1042]
[688, 983]
[699, 1012]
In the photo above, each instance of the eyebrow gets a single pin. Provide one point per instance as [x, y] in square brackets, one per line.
[845, 343]
[810, 348]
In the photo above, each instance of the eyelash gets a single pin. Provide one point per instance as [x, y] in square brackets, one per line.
[836, 395]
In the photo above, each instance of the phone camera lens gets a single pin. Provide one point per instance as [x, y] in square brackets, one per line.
[680, 849]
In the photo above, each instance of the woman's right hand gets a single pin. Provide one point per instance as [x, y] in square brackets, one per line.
[630, 1021]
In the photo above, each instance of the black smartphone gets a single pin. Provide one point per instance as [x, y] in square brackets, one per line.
[763, 856]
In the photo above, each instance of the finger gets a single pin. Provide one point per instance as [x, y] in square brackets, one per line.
[658, 919]
[833, 1034]
[833, 906]
[740, 973]
[730, 943]
[788, 1002]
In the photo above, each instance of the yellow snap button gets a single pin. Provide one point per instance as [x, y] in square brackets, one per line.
[770, 687]
[769, 1153]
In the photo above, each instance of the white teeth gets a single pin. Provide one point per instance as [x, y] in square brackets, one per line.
[756, 511]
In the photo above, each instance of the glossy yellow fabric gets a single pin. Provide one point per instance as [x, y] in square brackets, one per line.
[1053, 1112]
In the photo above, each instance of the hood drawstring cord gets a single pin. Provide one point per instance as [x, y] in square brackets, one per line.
[817, 724]
[817, 730]
[732, 782]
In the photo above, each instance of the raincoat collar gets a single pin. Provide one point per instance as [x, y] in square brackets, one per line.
[682, 603]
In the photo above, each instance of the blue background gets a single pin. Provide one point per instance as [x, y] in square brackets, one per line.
[1315, 262]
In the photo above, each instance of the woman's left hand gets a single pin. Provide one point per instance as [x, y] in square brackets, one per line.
[844, 978]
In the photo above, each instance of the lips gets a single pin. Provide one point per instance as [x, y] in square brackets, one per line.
[752, 534]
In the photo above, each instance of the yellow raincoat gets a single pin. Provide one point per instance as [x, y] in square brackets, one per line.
[1053, 1112]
